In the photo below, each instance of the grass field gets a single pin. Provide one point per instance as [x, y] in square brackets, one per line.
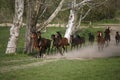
[98, 69]
[25, 67]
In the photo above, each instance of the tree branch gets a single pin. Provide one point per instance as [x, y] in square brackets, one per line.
[44, 24]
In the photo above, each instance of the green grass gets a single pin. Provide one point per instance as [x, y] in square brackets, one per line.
[4, 36]
[107, 21]
[99, 69]
[96, 69]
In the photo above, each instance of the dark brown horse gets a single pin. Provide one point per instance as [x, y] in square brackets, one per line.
[91, 38]
[60, 43]
[76, 41]
[100, 40]
[81, 40]
[117, 38]
[107, 36]
[41, 44]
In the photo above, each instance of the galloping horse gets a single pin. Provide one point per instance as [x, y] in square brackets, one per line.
[117, 38]
[41, 44]
[91, 38]
[60, 43]
[81, 40]
[100, 40]
[107, 36]
[74, 41]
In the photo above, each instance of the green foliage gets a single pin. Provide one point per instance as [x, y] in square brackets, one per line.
[108, 21]
[6, 10]
[107, 11]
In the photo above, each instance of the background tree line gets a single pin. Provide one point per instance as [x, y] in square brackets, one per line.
[107, 11]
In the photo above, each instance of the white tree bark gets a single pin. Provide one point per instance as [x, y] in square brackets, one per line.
[71, 22]
[14, 30]
[73, 15]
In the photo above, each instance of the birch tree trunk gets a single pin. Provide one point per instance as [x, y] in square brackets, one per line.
[28, 41]
[32, 17]
[73, 15]
[15, 29]
[71, 22]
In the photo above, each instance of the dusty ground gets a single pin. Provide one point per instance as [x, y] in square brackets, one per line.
[90, 52]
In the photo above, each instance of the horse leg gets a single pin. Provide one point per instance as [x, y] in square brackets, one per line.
[38, 53]
[72, 46]
[99, 47]
[60, 50]
[63, 48]
[80, 45]
[66, 48]
[116, 42]
[106, 43]
[48, 50]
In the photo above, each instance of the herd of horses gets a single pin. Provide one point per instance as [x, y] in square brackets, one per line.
[60, 44]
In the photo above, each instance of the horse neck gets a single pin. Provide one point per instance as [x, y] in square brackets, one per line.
[35, 41]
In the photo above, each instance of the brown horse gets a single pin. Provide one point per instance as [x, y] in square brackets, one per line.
[41, 44]
[100, 41]
[60, 43]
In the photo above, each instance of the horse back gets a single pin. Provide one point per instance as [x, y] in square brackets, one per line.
[64, 41]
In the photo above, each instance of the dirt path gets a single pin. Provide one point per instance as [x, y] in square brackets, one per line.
[8, 68]
[90, 52]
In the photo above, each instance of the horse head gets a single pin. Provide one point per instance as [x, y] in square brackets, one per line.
[33, 35]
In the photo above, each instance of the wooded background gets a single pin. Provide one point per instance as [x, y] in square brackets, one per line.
[110, 10]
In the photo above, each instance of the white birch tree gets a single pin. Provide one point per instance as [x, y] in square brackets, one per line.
[71, 26]
[32, 17]
[15, 29]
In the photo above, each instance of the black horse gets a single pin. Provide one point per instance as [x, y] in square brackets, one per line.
[74, 42]
[117, 38]
[91, 38]
[107, 36]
